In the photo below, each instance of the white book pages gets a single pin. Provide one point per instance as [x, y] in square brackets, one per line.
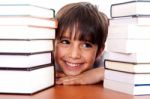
[128, 45]
[127, 88]
[129, 78]
[130, 8]
[135, 20]
[25, 61]
[27, 20]
[25, 46]
[41, 3]
[129, 57]
[127, 67]
[26, 32]
[129, 31]
[26, 82]
[26, 10]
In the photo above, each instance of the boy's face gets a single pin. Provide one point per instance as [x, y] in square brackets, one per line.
[74, 56]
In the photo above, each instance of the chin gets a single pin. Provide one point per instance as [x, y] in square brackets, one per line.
[72, 73]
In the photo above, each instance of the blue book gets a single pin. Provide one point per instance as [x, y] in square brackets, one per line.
[133, 89]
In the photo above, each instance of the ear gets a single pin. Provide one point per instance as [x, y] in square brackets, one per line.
[100, 51]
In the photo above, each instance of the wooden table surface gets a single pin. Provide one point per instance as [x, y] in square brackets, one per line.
[75, 92]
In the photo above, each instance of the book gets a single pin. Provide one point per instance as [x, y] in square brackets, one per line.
[129, 67]
[26, 81]
[130, 8]
[129, 31]
[26, 10]
[27, 20]
[128, 45]
[132, 20]
[24, 60]
[26, 32]
[133, 89]
[130, 78]
[40, 3]
[129, 57]
[25, 46]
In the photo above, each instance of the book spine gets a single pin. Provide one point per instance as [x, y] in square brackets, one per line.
[53, 12]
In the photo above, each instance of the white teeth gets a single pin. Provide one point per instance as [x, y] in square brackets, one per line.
[72, 64]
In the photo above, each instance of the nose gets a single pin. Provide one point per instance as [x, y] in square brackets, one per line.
[74, 52]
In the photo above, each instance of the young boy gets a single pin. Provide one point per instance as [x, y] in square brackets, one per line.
[80, 40]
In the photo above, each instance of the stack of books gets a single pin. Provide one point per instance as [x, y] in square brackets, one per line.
[128, 62]
[26, 43]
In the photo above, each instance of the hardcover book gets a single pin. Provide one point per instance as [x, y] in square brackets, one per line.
[130, 67]
[25, 46]
[130, 8]
[132, 20]
[133, 89]
[24, 60]
[128, 45]
[26, 80]
[26, 10]
[27, 20]
[130, 78]
[40, 3]
[26, 32]
[129, 31]
[129, 57]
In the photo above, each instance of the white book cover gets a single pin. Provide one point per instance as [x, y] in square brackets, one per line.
[25, 46]
[26, 10]
[129, 57]
[24, 60]
[128, 45]
[127, 66]
[139, 89]
[40, 3]
[28, 20]
[26, 82]
[26, 32]
[130, 8]
[134, 20]
[130, 78]
[129, 31]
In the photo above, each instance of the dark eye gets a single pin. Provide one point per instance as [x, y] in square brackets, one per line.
[65, 41]
[87, 45]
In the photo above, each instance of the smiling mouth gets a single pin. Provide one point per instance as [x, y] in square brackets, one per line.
[73, 64]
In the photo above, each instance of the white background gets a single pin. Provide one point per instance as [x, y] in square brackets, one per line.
[103, 5]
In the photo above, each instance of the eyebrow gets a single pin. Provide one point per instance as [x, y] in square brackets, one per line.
[63, 36]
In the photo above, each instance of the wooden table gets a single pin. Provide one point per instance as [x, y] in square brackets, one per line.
[75, 92]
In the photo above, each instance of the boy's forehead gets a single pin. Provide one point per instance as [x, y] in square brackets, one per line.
[75, 32]
[72, 34]
[69, 34]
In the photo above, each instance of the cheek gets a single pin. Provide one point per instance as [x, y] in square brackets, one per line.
[90, 57]
[59, 52]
